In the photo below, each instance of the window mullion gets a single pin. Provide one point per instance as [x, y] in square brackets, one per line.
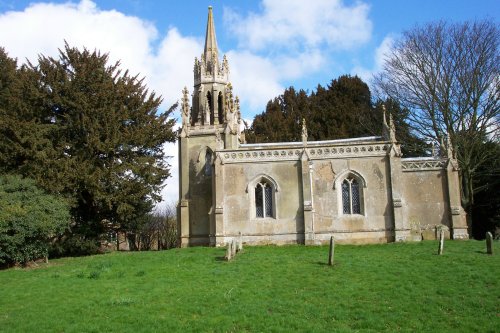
[264, 200]
[350, 198]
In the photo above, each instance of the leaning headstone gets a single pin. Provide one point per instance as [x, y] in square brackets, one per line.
[441, 242]
[228, 252]
[233, 248]
[331, 252]
[489, 243]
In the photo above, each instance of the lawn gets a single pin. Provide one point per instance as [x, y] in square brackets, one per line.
[371, 288]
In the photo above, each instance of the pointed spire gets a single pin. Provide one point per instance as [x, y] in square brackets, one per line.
[211, 50]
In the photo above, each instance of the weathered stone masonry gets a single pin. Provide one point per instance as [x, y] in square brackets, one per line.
[359, 190]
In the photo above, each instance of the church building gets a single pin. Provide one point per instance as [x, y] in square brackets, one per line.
[358, 190]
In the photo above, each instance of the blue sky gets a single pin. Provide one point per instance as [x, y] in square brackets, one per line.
[270, 44]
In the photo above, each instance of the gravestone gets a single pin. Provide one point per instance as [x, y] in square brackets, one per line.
[489, 243]
[233, 248]
[228, 252]
[441, 242]
[240, 243]
[331, 251]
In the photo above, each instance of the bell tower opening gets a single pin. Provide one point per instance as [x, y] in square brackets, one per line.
[220, 107]
[210, 110]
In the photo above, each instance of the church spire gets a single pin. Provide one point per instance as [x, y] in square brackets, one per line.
[211, 51]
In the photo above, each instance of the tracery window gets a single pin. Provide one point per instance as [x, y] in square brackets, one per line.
[263, 200]
[351, 197]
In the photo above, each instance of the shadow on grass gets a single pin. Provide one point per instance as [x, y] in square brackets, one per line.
[322, 263]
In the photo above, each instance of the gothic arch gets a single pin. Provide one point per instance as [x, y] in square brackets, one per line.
[262, 197]
[260, 178]
[344, 174]
[207, 157]
[350, 187]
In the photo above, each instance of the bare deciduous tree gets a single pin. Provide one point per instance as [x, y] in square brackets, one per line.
[447, 75]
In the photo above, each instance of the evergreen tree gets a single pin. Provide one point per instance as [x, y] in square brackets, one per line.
[96, 137]
[341, 110]
[16, 131]
[282, 120]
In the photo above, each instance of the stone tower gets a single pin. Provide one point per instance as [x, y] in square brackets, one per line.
[210, 123]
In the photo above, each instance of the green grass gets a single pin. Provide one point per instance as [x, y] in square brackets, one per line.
[373, 288]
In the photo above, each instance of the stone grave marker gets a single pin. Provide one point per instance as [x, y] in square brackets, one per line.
[489, 243]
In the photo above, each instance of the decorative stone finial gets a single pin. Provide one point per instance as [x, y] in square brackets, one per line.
[392, 129]
[304, 131]
[386, 130]
[185, 112]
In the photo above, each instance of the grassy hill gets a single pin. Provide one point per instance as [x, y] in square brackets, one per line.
[389, 287]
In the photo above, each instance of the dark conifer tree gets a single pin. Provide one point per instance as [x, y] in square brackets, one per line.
[341, 110]
[96, 136]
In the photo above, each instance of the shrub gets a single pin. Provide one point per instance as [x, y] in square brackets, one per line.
[73, 246]
[29, 220]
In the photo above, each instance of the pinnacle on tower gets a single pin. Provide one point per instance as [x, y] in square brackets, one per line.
[211, 50]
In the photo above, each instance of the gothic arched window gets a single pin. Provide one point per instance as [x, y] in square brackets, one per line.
[351, 196]
[263, 200]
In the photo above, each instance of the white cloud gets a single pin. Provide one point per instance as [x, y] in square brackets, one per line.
[297, 23]
[285, 41]
[366, 74]
[289, 41]
[255, 79]
[170, 193]
[41, 28]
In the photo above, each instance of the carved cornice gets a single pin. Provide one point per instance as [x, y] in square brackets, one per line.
[294, 154]
[422, 165]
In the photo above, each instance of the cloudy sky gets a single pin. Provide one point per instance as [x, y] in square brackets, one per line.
[270, 44]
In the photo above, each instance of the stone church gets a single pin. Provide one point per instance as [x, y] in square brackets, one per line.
[359, 190]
